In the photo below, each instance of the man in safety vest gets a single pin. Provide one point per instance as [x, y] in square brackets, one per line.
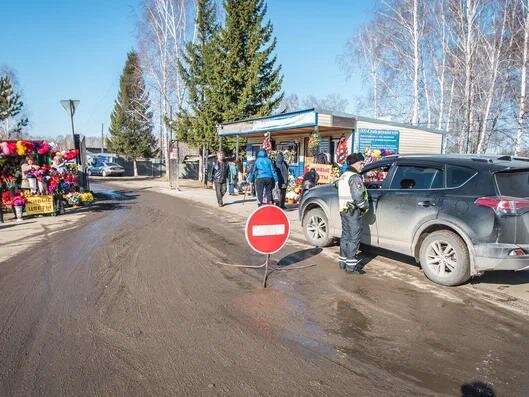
[353, 202]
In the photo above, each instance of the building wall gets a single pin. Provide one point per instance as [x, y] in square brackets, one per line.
[411, 140]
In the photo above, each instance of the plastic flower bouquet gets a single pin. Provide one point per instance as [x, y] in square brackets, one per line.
[11, 182]
[73, 198]
[18, 201]
[87, 197]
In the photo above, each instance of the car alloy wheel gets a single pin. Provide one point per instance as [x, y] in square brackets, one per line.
[317, 227]
[441, 257]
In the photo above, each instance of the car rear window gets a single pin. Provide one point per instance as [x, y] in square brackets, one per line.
[457, 176]
[113, 164]
[513, 184]
[412, 177]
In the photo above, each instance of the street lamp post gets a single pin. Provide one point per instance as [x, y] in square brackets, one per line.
[70, 105]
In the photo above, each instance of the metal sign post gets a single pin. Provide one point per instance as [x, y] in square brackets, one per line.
[267, 230]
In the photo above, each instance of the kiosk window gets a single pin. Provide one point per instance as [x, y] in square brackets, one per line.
[292, 147]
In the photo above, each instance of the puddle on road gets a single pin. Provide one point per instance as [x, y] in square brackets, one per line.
[351, 322]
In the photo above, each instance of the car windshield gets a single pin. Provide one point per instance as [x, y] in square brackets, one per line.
[513, 184]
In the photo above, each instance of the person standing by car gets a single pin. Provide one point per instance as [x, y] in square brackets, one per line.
[281, 168]
[353, 203]
[310, 179]
[264, 176]
[219, 175]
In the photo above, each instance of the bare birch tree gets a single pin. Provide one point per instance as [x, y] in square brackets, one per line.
[162, 33]
[522, 107]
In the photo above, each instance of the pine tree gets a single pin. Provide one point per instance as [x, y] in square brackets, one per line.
[131, 120]
[10, 107]
[251, 81]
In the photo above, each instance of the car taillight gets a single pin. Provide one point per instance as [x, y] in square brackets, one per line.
[504, 204]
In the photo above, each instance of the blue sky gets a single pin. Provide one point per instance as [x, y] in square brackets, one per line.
[76, 49]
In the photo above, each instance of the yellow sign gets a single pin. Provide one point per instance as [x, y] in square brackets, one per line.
[39, 205]
[324, 172]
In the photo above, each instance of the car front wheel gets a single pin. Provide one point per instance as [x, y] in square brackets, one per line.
[444, 258]
[316, 228]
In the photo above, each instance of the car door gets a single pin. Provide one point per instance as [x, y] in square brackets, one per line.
[411, 200]
[98, 168]
[376, 178]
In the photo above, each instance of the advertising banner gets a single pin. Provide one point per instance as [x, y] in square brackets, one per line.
[378, 139]
[324, 172]
[39, 205]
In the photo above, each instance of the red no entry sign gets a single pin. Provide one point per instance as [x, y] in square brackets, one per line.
[267, 229]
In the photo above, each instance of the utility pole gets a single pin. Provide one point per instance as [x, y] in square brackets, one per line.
[102, 140]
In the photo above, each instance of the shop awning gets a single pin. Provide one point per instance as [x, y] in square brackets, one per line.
[304, 121]
[299, 122]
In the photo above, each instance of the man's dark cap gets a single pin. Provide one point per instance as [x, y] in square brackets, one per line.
[355, 158]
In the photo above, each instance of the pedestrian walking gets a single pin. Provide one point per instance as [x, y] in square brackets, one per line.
[232, 177]
[249, 171]
[353, 203]
[281, 169]
[264, 176]
[219, 176]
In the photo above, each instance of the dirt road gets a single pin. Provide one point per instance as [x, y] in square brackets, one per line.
[133, 303]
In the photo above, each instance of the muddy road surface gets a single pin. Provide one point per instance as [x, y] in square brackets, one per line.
[134, 303]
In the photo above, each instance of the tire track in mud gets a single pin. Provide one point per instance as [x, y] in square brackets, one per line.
[143, 309]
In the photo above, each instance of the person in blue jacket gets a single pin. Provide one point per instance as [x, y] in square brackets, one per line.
[264, 176]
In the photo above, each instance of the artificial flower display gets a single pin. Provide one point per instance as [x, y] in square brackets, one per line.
[87, 197]
[18, 201]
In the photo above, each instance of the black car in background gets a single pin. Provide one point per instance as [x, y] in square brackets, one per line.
[457, 215]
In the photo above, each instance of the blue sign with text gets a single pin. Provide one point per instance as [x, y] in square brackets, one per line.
[378, 139]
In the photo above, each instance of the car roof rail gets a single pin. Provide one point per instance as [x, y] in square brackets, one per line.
[481, 159]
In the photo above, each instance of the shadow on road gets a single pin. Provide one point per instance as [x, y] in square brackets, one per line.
[502, 277]
[298, 256]
[477, 389]
[493, 277]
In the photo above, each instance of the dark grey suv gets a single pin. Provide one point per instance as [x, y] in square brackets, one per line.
[458, 216]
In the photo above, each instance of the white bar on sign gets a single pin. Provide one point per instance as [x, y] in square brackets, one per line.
[268, 230]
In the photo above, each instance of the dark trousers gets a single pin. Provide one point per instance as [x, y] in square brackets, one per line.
[220, 189]
[263, 187]
[282, 198]
[350, 240]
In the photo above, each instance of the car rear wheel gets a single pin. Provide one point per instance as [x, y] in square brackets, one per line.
[444, 258]
[316, 228]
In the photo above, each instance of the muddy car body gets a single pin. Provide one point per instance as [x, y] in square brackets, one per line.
[458, 216]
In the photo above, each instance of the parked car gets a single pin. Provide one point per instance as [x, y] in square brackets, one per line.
[106, 169]
[457, 215]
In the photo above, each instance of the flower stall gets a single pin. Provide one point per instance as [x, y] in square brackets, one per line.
[37, 179]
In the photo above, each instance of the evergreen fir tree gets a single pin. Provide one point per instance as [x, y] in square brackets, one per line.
[197, 124]
[250, 81]
[131, 120]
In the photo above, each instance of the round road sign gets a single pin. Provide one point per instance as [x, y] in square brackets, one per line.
[267, 229]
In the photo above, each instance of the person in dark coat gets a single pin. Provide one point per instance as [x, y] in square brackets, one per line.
[310, 179]
[282, 176]
[219, 176]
